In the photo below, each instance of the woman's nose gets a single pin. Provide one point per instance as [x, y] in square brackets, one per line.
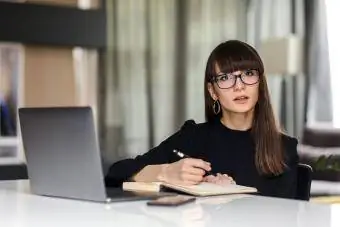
[239, 84]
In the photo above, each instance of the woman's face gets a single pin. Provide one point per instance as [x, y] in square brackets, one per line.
[235, 95]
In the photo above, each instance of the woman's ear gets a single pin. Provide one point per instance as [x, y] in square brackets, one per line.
[212, 92]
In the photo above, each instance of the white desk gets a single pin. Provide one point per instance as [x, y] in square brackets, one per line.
[20, 208]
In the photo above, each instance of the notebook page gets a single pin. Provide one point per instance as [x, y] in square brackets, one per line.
[141, 186]
[210, 188]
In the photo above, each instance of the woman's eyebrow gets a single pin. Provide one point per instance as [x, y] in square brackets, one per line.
[231, 73]
[221, 74]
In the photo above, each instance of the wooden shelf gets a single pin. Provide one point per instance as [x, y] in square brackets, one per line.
[31, 23]
[56, 62]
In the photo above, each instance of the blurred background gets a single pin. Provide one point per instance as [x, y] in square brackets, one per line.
[140, 65]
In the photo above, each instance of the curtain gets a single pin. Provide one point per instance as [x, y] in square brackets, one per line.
[320, 99]
[277, 18]
[155, 62]
[209, 23]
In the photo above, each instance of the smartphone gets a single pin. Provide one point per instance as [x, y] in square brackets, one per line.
[174, 200]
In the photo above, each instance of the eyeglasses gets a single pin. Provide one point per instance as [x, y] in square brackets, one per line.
[228, 80]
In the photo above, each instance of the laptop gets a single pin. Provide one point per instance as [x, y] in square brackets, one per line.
[63, 156]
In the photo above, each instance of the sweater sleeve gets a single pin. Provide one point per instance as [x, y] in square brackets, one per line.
[124, 169]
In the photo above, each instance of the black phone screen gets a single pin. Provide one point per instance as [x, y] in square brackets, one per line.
[174, 200]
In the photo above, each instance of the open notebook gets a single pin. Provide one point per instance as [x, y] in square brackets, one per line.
[202, 189]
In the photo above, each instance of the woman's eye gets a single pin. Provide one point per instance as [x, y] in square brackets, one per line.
[249, 73]
[223, 78]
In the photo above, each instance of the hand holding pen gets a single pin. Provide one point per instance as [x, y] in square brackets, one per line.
[186, 171]
[182, 155]
[221, 179]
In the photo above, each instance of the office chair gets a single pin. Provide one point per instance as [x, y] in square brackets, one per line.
[304, 181]
[13, 172]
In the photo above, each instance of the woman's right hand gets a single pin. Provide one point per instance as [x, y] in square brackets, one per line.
[187, 171]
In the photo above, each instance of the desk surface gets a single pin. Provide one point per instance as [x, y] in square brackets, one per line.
[18, 207]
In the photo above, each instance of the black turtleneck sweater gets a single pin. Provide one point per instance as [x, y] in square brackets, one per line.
[229, 151]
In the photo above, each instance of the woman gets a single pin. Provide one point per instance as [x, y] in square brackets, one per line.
[239, 141]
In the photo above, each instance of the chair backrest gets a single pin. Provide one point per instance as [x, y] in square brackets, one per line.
[304, 181]
[13, 172]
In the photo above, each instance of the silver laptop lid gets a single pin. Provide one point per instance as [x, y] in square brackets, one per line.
[62, 152]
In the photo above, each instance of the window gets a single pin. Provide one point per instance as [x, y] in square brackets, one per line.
[9, 98]
[333, 17]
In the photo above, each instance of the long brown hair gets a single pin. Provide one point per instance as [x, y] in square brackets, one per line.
[234, 55]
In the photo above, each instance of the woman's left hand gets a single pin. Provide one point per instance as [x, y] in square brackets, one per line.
[220, 179]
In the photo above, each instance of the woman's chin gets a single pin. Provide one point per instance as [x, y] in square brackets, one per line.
[242, 109]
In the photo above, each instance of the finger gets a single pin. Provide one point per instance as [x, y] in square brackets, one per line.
[223, 177]
[188, 183]
[209, 178]
[213, 179]
[229, 177]
[193, 170]
[190, 177]
[198, 163]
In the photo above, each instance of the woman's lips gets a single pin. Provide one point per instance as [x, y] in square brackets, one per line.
[241, 99]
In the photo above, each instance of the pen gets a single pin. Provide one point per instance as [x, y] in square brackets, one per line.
[182, 155]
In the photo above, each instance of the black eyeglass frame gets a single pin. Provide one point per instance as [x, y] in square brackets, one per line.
[215, 78]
